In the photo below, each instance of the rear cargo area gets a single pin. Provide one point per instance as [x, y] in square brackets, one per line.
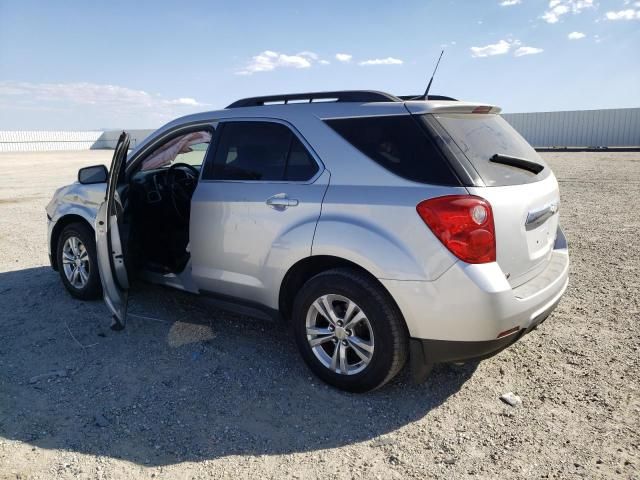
[522, 190]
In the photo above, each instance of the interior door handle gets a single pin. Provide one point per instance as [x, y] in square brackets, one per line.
[281, 201]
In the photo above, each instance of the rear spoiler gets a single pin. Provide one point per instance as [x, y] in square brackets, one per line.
[443, 106]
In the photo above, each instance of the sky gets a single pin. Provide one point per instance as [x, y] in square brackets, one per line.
[85, 65]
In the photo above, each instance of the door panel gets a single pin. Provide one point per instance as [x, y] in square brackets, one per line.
[245, 235]
[113, 273]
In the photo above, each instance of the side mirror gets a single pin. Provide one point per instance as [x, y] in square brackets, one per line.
[93, 174]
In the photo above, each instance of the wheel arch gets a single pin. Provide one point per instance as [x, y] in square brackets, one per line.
[57, 230]
[308, 267]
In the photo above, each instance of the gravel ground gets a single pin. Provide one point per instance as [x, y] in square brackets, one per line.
[188, 391]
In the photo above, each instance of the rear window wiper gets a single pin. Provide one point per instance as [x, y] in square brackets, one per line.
[517, 162]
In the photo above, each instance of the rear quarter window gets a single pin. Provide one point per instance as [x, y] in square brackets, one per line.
[399, 144]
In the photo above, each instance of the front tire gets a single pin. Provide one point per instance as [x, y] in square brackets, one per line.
[349, 331]
[78, 262]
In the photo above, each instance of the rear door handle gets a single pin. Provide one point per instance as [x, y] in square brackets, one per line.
[281, 201]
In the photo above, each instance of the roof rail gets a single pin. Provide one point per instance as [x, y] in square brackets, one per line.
[360, 96]
[431, 97]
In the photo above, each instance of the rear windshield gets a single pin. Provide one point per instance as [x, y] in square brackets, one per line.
[481, 136]
[399, 144]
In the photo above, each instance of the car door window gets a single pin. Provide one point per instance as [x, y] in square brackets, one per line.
[189, 148]
[300, 165]
[263, 151]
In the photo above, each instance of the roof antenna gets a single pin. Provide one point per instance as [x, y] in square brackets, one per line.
[426, 92]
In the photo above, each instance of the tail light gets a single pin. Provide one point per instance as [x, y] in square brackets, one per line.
[464, 224]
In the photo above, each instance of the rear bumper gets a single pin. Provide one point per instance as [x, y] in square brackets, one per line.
[474, 304]
[423, 354]
[427, 352]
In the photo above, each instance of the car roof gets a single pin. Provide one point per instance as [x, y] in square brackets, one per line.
[353, 106]
[325, 105]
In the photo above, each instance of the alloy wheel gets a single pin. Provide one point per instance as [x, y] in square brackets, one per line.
[75, 262]
[339, 334]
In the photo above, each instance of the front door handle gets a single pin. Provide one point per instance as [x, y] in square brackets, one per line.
[281, 201]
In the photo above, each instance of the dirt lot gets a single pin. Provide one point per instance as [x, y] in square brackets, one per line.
[187, 391]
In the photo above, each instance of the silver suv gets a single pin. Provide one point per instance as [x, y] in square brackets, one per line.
[383, 229]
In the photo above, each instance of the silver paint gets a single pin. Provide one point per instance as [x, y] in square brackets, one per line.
[245, 236]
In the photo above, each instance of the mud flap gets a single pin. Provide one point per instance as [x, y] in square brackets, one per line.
[420, 367]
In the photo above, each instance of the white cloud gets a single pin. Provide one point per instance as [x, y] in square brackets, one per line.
[382, 61]
[184, 101]
[509, 3]
[558, 8]
[576, 36]
[522, 51]
[445, 45]
[343, 57]
[83, 93]
[87, 105]
[499, 48]
[270, 60]
[503, 47]
[308, 55]
[628, 14]
[553, 15]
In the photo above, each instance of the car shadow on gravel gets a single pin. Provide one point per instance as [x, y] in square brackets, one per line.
[183, 381]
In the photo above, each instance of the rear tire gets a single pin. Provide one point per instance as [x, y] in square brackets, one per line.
[364, 326]
[78, 263]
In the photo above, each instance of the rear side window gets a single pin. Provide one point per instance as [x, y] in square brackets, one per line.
[399, 144]
[481, 136]
[264, 151]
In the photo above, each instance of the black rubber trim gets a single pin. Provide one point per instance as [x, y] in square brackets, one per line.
[242, 306]
[444, 351]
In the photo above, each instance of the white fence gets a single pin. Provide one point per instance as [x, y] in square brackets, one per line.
[21, 141]
[587, 128]
[37, 141]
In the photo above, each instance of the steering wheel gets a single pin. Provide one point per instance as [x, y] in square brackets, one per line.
[182, 187]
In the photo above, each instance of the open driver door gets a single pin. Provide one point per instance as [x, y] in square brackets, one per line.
[113, 273]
